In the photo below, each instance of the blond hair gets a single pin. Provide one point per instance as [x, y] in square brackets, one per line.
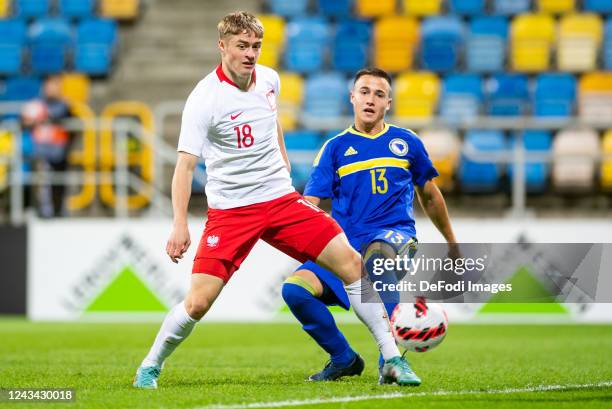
[238, 22]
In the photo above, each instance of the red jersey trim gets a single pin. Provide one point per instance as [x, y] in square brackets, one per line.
[222, 77]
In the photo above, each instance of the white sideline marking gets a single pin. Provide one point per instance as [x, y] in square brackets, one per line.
[396, 395]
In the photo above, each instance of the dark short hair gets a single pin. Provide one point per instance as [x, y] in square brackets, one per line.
[375, 72]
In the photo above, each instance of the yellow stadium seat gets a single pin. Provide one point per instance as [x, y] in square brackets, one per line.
[120, 9]
[270, 55]
[422, 7]
[290, 101]
[274, 36]
[556, 6]
[5, 8]
[375, 8]
[580, 36]
[395, 39]
[606, 164]
[416, 95]
[443, 147]
[6, 151]
[595, 96]
[75, 87]
[532, 38]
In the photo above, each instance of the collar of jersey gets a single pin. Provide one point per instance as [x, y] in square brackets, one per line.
[222, 77]
[354, 131]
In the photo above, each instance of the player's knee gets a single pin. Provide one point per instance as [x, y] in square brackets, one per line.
[294, 294]
[197, 307]
[352, 267]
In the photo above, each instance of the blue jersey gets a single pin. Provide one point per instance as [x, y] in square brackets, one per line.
[370, 179]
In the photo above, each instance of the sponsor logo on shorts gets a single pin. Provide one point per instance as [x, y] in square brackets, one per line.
[212, 241]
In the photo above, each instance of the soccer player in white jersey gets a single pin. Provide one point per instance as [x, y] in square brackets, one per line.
[230, 120]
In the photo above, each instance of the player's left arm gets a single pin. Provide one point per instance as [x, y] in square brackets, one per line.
[281, 144]
[434, 205]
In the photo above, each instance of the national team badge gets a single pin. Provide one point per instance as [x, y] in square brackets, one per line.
[399, 147]
[212, 241]
[271, 96]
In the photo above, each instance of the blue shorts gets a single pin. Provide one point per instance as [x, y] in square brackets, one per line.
[403, 241]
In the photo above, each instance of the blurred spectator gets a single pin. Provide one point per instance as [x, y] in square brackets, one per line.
[42, 122]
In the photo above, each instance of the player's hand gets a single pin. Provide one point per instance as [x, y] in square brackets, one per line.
[178, 243]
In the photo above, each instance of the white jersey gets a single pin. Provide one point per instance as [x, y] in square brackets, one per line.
[235, 132]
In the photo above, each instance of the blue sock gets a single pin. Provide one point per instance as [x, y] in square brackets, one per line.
[318, 322]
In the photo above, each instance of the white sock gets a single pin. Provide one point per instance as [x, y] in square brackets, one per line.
[176, 327]
[371, 311]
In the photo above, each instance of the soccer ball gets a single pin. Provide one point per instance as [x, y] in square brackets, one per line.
[419, 327]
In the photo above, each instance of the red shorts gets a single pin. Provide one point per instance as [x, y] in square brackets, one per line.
[290, 223]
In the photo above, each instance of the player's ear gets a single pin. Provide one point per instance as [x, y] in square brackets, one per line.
[221, 45]
[388, 107]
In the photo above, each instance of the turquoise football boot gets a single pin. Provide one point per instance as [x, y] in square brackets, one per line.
[146, 377]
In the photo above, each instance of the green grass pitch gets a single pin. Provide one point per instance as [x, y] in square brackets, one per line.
[259, 364]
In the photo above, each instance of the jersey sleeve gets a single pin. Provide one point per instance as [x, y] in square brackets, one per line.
[422, 168]
[320, 183]
[277, 85]
[194, 125]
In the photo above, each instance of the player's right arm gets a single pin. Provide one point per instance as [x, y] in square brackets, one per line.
[321, 179]
[179, 240]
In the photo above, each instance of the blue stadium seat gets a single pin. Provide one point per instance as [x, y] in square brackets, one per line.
[351, 46]
[486, 44]
[326, 95]
[12, 41]
[288, 8]
[96, 42]
[507, 7]
[462, 97]
[78, 9]
[306, 47]
[607, 51]
[301, 141]
[598, 6]
[468, 7]
[508, 95]
[31, 8]
[555, 94]
[442, 41]
[50, 43]
[536, 173]
[22, 88]
[335, 8]
[481, 176]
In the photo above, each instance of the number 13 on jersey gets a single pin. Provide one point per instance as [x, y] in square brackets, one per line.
[244, 136]
[379, 181]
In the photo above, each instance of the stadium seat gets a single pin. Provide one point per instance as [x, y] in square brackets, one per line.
[95, 46]
[274, 39]
[536, 173]
[556, 6]
[12, 42]
[443, 147]
[301, 141]
[597, 6]
[508, 7]
[375, 8]
[422, 7]
[22, 88]
[486, 44]
[77, 9]
[31, 8]
[288, 8]
[335, 8]
[75, 87]
[120, 9]
[508, 95]
[532, 38]
[5, 8]
[477, 175]
[467, 7]
[325, 95]
[50, 42]
[607, 52]
[290, 100]
[606, 163]
[416, 95]
[595, 96]
[307, 40]
[580, 36]
[554, 95]
[395, 40]
[574, 158]
[462, 97]
[442, 40]
[351, 45]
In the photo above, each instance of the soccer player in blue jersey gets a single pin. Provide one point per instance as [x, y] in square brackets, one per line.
[371, 172]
